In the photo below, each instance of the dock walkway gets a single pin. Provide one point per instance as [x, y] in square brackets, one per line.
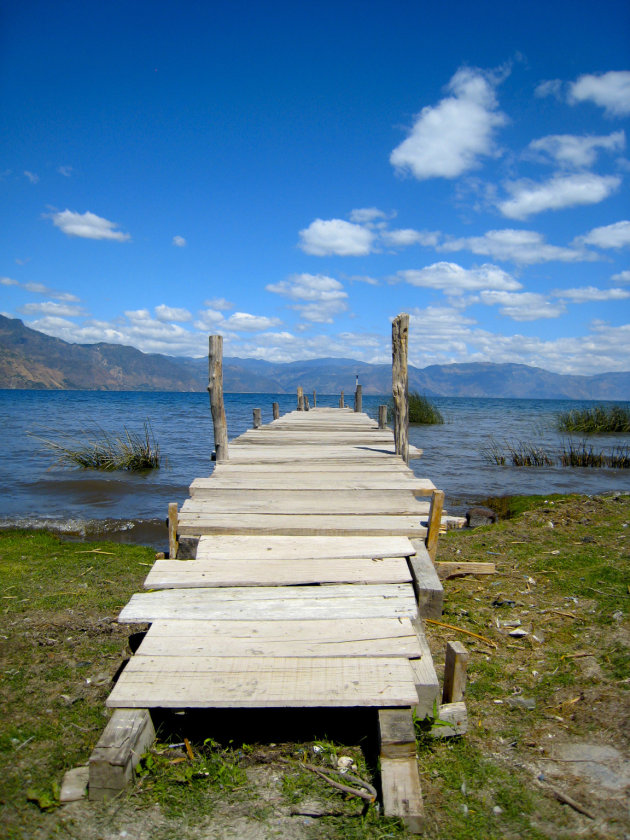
[303, 590]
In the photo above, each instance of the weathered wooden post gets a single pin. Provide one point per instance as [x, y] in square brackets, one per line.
[314, 398]
[300, 398]
[341, 403]
[400, 384]
[358, 399]
[382, 416]
[215, 389]
[307, 405]
[275, 407]
[257, 419]
[172, 530]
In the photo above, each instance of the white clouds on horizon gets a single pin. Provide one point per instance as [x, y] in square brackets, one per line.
[336, 236]
[559, 192]
[319, 298]
[523, 306]
[453, 279]
[525, 247]
[87, 226]
[171, 313]
[449, 138]
[587, 294]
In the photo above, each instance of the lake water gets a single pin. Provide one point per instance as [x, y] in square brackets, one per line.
[132, 507]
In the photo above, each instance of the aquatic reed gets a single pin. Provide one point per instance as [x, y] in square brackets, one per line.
[524, 454]
[130, 451]
[421, 410]
[597, 420]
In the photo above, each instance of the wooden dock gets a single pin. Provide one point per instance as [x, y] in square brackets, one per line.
[310, 561]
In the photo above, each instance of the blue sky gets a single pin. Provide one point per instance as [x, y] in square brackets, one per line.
[292, 176]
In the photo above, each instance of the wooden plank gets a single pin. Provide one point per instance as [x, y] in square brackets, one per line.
[303, 525]
[240, 547]
[325, 454]
[397, 734]
[269, 602]
[427, 683]
[126, 737]
[402, 793]
[456, 716]
[345, 637]
[207, 488]
[362, 467]
[243, 682]
[169, 574]
[455, 665]
[427, 585]
[299, 502]
[435, 522]
[446, 570]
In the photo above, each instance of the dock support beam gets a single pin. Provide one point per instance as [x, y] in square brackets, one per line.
[358, 399]
[314, 398]
[382, 416]
[435, 521]
[172, 530]
[215, 389]
[257, 422]
[275, 407]
[127, 736]
[300, 398]
[341, 402]
[400, 384]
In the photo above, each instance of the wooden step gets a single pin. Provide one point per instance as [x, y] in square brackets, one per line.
[197, 524]
[240, 547]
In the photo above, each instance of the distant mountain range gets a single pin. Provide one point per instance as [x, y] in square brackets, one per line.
[30, 359]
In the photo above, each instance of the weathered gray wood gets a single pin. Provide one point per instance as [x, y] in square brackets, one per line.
[456, 716]
[251, 682]
[198, 524]
[402, 793]
[426, 583]
[307, 405]
[455, 665]
[292, 603]
[400, 384]
[427, 683]
[397, 735]
[382, 416]
[275, 408]
[373, 637]
[257, 421]
[369, 483]
[358, 399]
[452, 569]
[215, 389]
[126, 737]
[176, 574]
[298, 502]
[74, 784]
[341, 401]
[435, 522]
[300, 398]
[172, 530]
[242, 547]
[314, 398]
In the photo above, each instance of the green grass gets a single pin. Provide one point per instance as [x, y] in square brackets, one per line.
[594, 421]
[526, 454]
[131, 451]
[421, 410]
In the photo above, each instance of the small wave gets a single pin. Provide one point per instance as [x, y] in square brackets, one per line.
[152, 532]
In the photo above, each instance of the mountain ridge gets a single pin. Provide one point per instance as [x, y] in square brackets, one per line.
[32, 360]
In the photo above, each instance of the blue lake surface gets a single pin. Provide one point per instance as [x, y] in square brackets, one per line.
[132, 507]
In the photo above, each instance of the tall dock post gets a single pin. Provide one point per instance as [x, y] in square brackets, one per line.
[400, 384]
[314, 398]
[341, 403]
[358, 399]
[215, 389]
[275, 407]
[257, 421]
[382, 416]
[300, 398]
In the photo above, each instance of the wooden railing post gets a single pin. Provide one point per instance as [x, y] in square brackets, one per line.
[275, 407]
[215, 389]
[435, 520]
[400, 384]
[172, 530]
[300, 398]
[382, 416]
[341, 403]
[314, 398]
[307, 405]
[358, 399]
[257, 419]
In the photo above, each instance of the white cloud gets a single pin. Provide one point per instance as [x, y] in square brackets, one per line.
[179, 242]
[608, 90]
[403, 237]
[523, 306]
[32, 177]
[40, 289]
[437, 335]
[66, 171]
[49, 307]
[170, 313]
[616, 235]
[551, 87]
[209, 319]
[449, 138]
[452, 279]
[325, 297]
[87, 226]
[336, 236]
[219, 303]
[586, 294]
[244, 322]
[8, 281]
[367, 214]
[136, 315]
[569, 150]
[559, 192]
[622, 277]
[525, 247]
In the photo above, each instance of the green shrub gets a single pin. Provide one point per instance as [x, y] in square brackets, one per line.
[596, 420]
[129, 451]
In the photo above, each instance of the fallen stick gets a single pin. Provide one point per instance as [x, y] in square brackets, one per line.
[449, 569]
[369, 794]
[567, 800]
[461, 630]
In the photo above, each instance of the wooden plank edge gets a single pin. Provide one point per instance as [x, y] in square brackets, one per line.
[128, 734]
[402, 792]
[426, 583]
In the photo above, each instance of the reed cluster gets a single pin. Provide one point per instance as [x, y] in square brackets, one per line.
[525, 454]
[129, 451]
[597, 420]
